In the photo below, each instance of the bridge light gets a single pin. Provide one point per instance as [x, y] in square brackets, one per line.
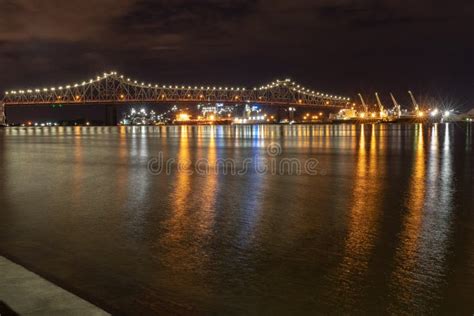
[77, 97]
[53, 89]
[6, 92]
[60, 88]
[67, 87]
[45, 89]
[122, 96]
[135, 82]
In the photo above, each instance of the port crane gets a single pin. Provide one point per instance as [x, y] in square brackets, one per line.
[415, 104]
[379, 103]
[396, 106]
[366, 109]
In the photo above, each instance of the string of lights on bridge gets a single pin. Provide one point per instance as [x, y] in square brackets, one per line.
[287, 82]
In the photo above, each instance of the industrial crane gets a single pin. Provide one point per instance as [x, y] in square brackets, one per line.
[379, 103]
[415, 104]
[396, 106]
[366, 109]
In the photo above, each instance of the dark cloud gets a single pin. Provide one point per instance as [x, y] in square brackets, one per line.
[58, 20]
[343, 46]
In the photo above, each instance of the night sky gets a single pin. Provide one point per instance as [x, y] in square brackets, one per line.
[342, 47]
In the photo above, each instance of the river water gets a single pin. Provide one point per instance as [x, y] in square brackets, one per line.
[382, 222]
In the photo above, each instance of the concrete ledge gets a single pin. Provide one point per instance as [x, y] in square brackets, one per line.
[26, 293]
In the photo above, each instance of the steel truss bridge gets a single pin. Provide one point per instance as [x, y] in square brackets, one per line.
[113, 89]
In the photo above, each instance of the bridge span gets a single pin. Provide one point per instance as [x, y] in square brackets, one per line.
[114, 89]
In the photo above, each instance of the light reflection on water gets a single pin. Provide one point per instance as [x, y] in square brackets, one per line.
[389, 229]
[363, 225]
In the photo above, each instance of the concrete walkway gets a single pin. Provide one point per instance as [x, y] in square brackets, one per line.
[27, 293]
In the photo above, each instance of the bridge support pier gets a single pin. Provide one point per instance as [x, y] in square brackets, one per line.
[286, 112]
[111, 115]
[291, 114]
[282, 113]
[3, 117]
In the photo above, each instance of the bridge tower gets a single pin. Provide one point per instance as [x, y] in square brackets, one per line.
[3, 118]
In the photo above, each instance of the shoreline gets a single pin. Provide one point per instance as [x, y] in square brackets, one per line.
[260, 124]
[24, 291]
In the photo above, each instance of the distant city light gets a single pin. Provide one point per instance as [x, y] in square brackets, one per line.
[183, 117]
